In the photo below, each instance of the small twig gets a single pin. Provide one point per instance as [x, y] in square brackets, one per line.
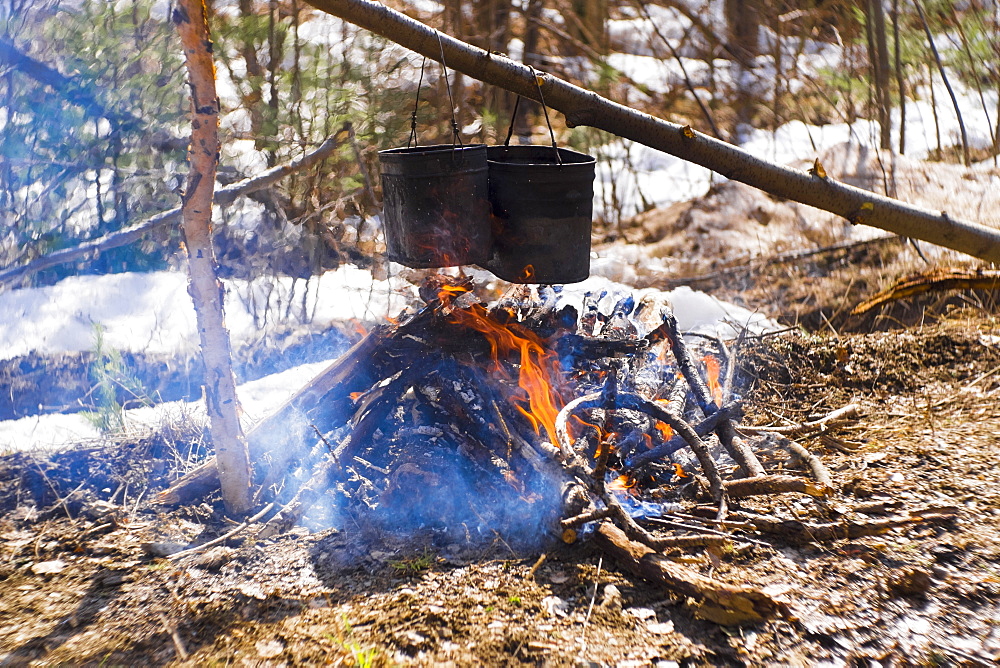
[172, 632]
[836, 418]
[583, 518]
[730, 379]
[767, 485]
[597, 584]
[224, 537]
[138, 499]
[696, 540]
[810, 460]
[846, 447]
[704, 531]
[797, 531]
[538, 564]
[60, 500]
[322, 438]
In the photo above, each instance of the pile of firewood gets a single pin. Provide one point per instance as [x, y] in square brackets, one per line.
[536, 417]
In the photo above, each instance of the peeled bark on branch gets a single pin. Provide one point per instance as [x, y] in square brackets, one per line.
[206, 290]
[583, 107]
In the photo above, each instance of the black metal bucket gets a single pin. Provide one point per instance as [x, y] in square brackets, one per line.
[542, 213]
[436, 206]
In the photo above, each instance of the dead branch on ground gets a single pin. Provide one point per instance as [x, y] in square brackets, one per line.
[939, 279]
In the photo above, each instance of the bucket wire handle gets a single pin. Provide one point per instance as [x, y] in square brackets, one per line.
[538, 84]
[456, 137]
[412, 141]
[545, 109]
[513, 117]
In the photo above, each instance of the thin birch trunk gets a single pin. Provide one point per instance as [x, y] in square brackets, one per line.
[204, 286]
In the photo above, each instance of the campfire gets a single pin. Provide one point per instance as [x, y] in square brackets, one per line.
[540, 418]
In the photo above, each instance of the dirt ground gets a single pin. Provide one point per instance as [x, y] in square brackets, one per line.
[83, 582]
[90, 574]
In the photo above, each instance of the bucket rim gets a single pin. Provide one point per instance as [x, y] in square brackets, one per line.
[575, 158]
[432, 149]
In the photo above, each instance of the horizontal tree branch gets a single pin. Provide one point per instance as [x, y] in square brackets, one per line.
[69, 89]
[223, 196]
[583, 107]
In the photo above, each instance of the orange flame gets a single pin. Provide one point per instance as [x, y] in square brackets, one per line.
[606, 442]
[622, 482]
[537, 364]
[527, 274]
[666, 431]
[584, 423]
[712, 371]
[449, 292]
[649, 441]
[679, 471]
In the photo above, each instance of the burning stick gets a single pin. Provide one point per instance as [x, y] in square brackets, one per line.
[637, 403]
[280, 437]
[737, 449]
[703, 428]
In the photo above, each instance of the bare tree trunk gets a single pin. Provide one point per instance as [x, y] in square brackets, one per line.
[900, 79]
[966, 158]
[743, 29]
[528, 108]
[583, 107]
[586, 21]
[206, 290]
[253, 98]
[878, 56]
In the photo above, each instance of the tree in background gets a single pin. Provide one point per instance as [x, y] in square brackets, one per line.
[90, 94]
[90, 103]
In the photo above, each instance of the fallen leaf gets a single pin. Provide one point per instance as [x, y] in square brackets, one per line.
[268, 649]
[48, 567]
[660, 628]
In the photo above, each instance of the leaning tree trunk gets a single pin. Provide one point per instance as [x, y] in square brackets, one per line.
[583, 107]
[205, 288]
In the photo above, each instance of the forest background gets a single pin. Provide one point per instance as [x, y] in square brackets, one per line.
[93, 106]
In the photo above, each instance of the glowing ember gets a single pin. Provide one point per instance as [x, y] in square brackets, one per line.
[538, 365]
[712, 371]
